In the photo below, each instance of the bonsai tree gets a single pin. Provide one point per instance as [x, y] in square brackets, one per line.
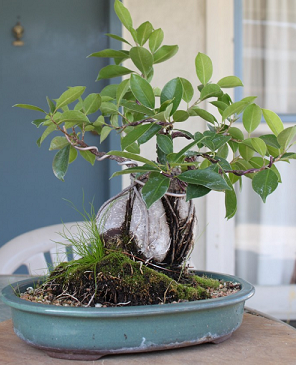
[154, 218]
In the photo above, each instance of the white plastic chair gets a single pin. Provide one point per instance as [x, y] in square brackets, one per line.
[29, 249]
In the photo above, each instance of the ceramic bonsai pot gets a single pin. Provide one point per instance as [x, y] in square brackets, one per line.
[89, 333]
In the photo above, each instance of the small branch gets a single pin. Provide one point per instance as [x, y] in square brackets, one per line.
[208, 157]
[138, 122]
[180, 134]
[252, 171]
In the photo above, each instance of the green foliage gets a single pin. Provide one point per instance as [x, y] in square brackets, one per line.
[214, 159]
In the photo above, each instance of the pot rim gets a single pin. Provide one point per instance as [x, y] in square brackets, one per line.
[9, 297]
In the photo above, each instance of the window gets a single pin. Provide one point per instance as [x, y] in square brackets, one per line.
[266, 233]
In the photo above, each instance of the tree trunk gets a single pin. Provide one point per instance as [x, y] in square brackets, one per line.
[163, 234]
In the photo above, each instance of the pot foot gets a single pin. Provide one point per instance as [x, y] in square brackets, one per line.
[73, 356]
[221, 339]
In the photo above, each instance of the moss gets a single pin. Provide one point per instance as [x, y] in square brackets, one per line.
[118, 279]
[205, 282]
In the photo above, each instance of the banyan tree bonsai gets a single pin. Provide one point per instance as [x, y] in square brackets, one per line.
[154, 218]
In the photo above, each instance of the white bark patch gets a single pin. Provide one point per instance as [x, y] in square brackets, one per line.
[150, 229]
[112, 216]
[183, 208]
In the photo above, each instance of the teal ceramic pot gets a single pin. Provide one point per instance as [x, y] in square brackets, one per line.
[89, 333]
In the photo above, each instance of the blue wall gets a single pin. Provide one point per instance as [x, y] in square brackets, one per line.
[58, 37]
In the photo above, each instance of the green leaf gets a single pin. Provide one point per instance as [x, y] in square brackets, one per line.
[134, 35]
[79, 106]
[180, 116]
[143, 32]
[99, 121]
[230, 200]
[264, 183]
[133, 148]
[111, 71]
[136, 108]
[122, 90]
[196, 191]
[219, 104]
[229, 81]
[151, 132]
[92, 103]
[60, 162]
[119, 60]
[273, 121]
[205, 177]
[155, 39]
[220, 140]
[259, 146]
[164, 53]
[73, 154]
[123, 14]
[31, 107]
[165, 143]
[196, 111]
[256, 144]
[51, 105]
[252, 117]
[287, 156]
[172, 90]
[270, 140]
[225, 98]
[134, 135]
[74, 117]
[223, 151]
[142, 91]
[155, 188]
[108, 92]
[58, 142]
[238, 107]
[209, 91]
[142, 59]
[132, 156]
[47, 131]
[114, 120]
[108, 108]
[110, 53]
[236, 133]
[38, 122]
[286, 136]
[134, 170]
[246, 152]
[188, 90]
[69, 96]
[114, 36]
[105, 133]
[204, 68]
[88, 156]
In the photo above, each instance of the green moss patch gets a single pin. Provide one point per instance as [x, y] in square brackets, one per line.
[119, 280]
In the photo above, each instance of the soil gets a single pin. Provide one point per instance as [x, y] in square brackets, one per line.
[118, 280]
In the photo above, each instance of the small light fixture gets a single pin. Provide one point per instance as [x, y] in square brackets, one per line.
[18, 32]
